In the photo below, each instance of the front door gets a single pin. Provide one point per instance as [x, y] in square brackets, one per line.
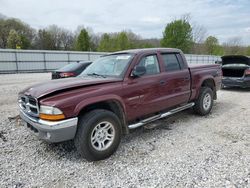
[145, 96]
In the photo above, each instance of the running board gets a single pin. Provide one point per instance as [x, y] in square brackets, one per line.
[156, 117]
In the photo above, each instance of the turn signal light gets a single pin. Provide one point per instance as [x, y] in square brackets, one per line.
[51, 117]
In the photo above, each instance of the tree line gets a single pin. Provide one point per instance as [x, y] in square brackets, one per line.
[180, 33]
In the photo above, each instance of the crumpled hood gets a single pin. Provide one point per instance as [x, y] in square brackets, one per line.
[49, 87]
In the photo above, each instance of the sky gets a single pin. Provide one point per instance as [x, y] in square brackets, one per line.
[224, 19]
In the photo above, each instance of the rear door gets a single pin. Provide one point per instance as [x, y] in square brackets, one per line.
[175, 79]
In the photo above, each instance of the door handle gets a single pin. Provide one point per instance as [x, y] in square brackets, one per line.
[163, 82]
[186, 78]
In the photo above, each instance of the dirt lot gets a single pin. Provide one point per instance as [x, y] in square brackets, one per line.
[182, 151]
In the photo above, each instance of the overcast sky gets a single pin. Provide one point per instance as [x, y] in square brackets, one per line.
[222, 18]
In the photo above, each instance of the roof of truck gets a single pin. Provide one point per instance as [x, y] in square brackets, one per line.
[143, 50]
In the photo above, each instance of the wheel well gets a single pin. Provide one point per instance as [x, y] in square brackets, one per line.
[210, 83]
[112, 106]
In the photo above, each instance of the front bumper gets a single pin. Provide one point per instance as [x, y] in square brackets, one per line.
[236, 82]
[51, 131]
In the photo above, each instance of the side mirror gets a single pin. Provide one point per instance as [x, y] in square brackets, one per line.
[138, 71]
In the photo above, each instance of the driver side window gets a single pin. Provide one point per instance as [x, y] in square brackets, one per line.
[151, 64]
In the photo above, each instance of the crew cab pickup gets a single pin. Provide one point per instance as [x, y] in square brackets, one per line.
[116, 93]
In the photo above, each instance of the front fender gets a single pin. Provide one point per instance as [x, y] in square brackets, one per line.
[94, 100]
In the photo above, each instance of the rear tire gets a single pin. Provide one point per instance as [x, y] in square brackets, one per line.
[98, 135]
[204, 103]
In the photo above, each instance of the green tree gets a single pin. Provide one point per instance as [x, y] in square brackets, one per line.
[212, 46]
[25, 42]
[114, 42]
[13, 40]
[146, 45]
[105, 44]
[178, 34]
[248, 51]
[122, 41]
[21, 28]
[83, 41]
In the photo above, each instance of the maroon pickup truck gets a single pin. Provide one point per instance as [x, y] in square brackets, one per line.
[116, 93]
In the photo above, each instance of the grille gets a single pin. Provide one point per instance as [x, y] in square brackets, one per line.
[29, 105]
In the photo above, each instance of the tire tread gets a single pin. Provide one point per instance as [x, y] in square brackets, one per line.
[198, 108]
[84, 126]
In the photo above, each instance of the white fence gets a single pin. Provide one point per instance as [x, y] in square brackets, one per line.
[12, 61]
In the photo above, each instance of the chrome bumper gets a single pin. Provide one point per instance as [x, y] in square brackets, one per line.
[51, 131]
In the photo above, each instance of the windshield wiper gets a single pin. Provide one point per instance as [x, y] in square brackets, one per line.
[95, 74]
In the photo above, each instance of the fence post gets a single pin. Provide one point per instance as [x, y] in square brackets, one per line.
[88, 56]
[44, 60]
[68, 58]
[16, 61]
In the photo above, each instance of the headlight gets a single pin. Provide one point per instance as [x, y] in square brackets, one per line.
[51, 113]
[49, 110]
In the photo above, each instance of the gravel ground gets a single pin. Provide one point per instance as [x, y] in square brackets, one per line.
[182, 151]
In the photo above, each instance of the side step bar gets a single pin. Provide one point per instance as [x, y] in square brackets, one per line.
[156, 117]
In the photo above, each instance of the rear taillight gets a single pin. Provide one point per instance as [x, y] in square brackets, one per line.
[67, 74]
[247, 72]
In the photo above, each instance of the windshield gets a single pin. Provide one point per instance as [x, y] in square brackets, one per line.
[111, 65]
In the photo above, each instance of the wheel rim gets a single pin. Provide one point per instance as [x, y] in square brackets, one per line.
[207, 100]
[102, 136]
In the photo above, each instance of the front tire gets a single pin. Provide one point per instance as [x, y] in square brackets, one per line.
[204, 103]
[98, 135]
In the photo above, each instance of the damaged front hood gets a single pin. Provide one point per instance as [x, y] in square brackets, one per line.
[45, 88]
[235, 59]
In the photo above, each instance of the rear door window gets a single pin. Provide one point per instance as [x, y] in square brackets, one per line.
[180, 59]
[171, 62]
